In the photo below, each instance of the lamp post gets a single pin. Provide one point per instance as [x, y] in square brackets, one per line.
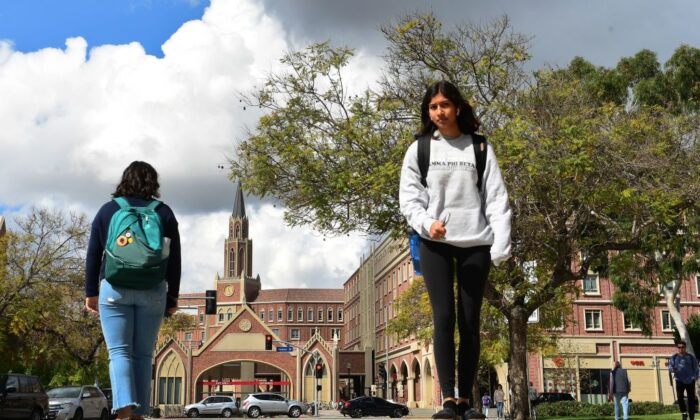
[350, 381]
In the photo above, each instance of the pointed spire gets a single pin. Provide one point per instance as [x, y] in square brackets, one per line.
[238, 203]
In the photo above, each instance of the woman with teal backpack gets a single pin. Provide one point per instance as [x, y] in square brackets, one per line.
[132, 279]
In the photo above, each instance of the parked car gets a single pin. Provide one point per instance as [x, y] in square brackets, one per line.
[553, 397]
[373, 406]
[22, 397]
[267, 403]
[215, 405]
[77, 402]
[108, 394]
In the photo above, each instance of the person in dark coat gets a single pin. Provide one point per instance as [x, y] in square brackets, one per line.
[619, 390]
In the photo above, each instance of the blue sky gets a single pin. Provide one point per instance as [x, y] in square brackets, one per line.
[36, 24]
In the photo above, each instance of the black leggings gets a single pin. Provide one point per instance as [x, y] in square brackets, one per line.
[438, 267]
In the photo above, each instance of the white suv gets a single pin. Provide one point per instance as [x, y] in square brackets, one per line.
[268, 403]
[77, 403]
[219, 405]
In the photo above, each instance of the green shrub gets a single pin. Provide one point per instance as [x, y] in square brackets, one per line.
[582, 409]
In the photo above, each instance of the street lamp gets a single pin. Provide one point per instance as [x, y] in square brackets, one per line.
[349, 381]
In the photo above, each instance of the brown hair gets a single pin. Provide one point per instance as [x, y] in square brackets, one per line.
[138, 180]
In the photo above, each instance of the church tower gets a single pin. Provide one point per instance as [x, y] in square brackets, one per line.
[237, 284]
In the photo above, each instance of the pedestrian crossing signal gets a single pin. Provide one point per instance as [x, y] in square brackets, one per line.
[319, 370]
[268, 342]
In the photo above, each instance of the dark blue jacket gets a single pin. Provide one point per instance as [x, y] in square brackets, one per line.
[94, 262]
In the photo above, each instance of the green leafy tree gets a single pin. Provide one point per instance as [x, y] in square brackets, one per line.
[587, 175]
[45, 329]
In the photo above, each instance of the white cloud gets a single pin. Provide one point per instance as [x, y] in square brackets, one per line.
[73, 118]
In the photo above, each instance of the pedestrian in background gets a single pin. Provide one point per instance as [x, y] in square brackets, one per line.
[131, 315]
[684, 367]
[477, 234]
[499, 398]
[532, 396]
[618, 391]
[485, 404]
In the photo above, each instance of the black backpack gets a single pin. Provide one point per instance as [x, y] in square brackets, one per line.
[479, 154]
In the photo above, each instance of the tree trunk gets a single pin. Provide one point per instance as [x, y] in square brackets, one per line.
[670, 298]
[517, 364]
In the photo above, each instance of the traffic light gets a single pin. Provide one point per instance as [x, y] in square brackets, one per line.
[382, 371]
[210, 302]
[319, 370]
[268, 342]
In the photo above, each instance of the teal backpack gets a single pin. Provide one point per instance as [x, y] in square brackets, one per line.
[136, 257]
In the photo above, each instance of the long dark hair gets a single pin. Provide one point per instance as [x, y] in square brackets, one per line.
[466, 120]
[138, 180]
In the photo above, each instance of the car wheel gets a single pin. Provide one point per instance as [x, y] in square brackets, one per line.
[227, 413]
[294, 412]
[356, 413]
[397, 413]
[254, 412]
[193, 412]
[36, 414]
[78, 414]
[104, 415]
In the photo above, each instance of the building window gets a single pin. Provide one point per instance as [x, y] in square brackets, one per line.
[262, 315]
[276, 332]
[169, 390]
[279, 314]
[270, 316]
[221, 317]
[188, 336]
[330, 314]
[229, 315]
[667, 323]
[697, 284]
[312, 331]
[335, 332]
[594, 320]
[294, 335]
[310, 316]
[629, 325]
[201, 318]
[300, 314]
[290, 314]
[590, 285]
[340, 315]
[320, 315]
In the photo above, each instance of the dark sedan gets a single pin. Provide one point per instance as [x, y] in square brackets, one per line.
[373, 406]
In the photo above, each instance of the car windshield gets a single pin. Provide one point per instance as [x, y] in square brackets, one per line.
[66, 392]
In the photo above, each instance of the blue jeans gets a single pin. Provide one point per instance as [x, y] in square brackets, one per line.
[621, 398]
[499, 409]
[130, 322]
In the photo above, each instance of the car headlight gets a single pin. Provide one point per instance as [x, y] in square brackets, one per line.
[62, 406]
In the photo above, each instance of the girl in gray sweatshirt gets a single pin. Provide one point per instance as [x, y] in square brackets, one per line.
[463, 229]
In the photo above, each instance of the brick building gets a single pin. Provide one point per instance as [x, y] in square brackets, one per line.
[225, 353]
[597, 336]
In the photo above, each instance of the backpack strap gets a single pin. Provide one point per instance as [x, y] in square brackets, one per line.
[122, 202]
[423, 157]
[153, 205]
[480, 147]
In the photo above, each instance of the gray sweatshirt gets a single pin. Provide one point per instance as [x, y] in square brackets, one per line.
[475, 218]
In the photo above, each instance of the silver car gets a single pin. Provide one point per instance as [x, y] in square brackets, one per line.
[268, 403]
[77, 403]
[216, 405]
